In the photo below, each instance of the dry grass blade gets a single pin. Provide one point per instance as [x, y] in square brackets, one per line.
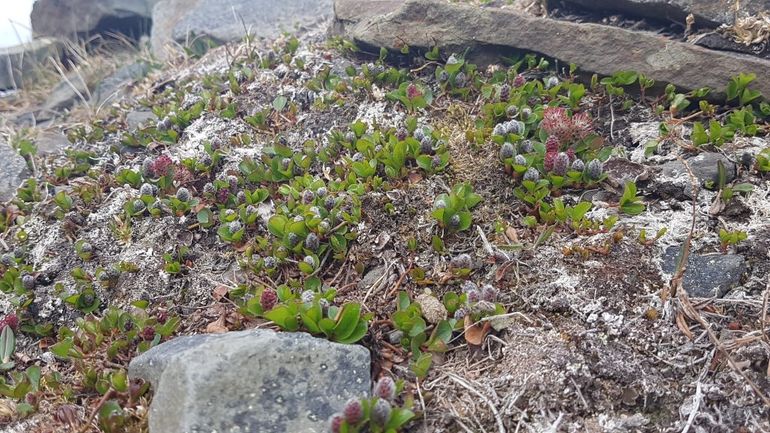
[462, 382]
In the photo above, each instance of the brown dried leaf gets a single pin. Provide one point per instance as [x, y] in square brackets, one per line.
[220, 292]
[510, 232]
[682, 324]
[475, 334]
[217, 326]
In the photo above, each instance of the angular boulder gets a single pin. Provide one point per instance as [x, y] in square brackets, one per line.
[709, 13]
[79, 18]
[23, 62]
[13, 171]
[181, 21]
[250, 381]
[495, 33]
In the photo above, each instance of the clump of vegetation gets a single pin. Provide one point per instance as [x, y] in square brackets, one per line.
[452, 211]
[376, 414]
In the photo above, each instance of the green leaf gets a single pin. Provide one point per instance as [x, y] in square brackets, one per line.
[624, 78]
[64, 348]
[403, 301]
[437, 243]
[310, 324]
[699, 135]
[111, 417]
[421, 365]
[279, 103]
[348, 320]
[205, 218]
[632, 208]
[119, 381]
[7, 344]
[277, 225]
[744, 188]
[543, 236]
[680, 103]
[399, 417]
[280, 315]
[629, 192]
[465, 220]
[440, 337]
[433, 54]
[721, 174]
[327, 326]
[358, 333]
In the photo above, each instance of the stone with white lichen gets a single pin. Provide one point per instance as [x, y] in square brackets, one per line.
[432, 309]
[249, 381]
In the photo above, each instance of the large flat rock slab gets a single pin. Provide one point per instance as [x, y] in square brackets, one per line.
[491, 33]
[250, 381]
[180, 21]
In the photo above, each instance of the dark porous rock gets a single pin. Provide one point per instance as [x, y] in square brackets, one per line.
[498, 33]
[250, 381]
[707, 13]
[706, 276]
[13, 171]
[705, 166]
[718, 41]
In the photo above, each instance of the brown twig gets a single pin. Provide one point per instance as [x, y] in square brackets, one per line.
[684, 300]
[400, 279]
[99, 405]
[764, 319]
[690, 311]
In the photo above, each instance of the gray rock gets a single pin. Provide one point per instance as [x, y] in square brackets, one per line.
[708, 13]
[13, 171]
[22, 63]
[704, 166]
[112, 87]
[595, 48]
[63, 96]
[78, 18]
[51, 142]
[183, 20]
[373, 276]
[620, 170]
[135, 119]
[250, 381]
[709, 275]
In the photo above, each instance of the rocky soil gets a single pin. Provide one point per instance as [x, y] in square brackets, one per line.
[607, 273]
